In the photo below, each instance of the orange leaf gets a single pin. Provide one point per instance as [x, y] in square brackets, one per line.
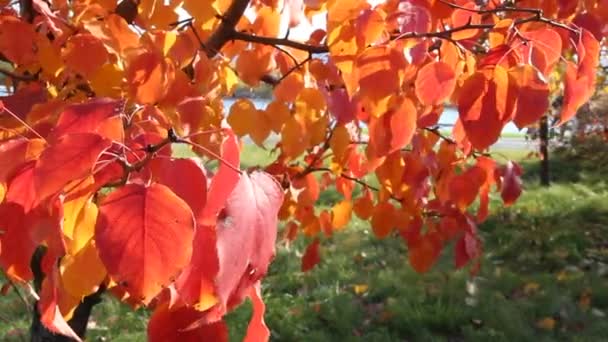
[82, 273]
[241, 116]
[277, 114]
[17, 40]
[144, 236]
[148, 77]
[533, 99]
[364, 205]
[435, 83]
[85, 54]
[383, 219]
[392, 131]
[341, 213]
[289, 87]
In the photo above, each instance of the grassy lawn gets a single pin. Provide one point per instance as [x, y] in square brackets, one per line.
[544, 277]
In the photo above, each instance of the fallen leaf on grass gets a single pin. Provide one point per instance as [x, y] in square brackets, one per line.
[546, 323]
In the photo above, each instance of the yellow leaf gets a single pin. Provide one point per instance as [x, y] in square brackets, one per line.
[73, 205]
[229, 80]
[2, 191]
[85, 227]
[241, 117]
[340, 214]
[360, 288]
[531, 287]
[277, 114]
[82, 273]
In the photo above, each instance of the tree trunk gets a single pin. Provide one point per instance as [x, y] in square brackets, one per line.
[80, 318]
[544, 151]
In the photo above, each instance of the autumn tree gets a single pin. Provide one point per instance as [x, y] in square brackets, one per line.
[100, 92]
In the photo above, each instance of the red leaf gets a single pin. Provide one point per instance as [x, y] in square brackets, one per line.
[231, 258]
[393, 130]
[533, 98]
[511, 183]
[21, 188]
[465, 187]
[50, 316]
[196, 283]
[488, 165]
[486, 104]
[579, 84]
[223, 182]
[424, 251]
[172, 324]
[144, 236]
[185, 177]
[311, 256]
[16, 259]
[257, 329]
[101, 116]
[15, 152]
[72, 157]
[538, 44]
[21, 102]
[468, 247]
[435, 83]
[246, 234]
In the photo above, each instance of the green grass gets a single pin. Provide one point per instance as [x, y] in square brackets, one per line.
[544, 257]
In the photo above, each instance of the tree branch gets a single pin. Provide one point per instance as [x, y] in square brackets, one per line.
[225, 31]
[313, 49]
[18, 77]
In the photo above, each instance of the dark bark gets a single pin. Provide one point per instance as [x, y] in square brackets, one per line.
[80, 318]
[545, 179]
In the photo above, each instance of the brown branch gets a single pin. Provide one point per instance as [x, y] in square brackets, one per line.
[437, 132]
[445, 34]
[225, 31]
[18, 77]
[295, 67]
[499, 9]
[313, 49]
